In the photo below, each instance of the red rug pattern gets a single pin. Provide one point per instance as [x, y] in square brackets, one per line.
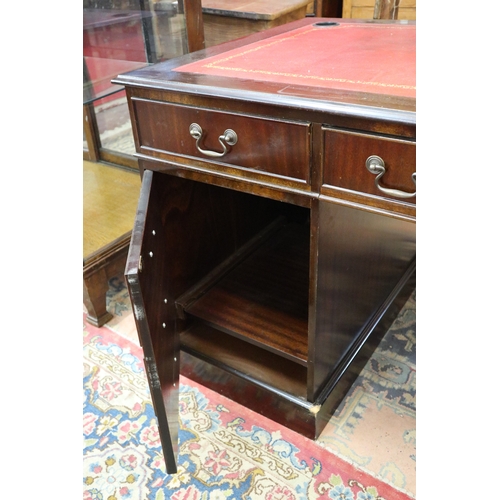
[226, 450]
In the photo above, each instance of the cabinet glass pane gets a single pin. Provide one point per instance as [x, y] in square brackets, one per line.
[119, 36]
[113, 122]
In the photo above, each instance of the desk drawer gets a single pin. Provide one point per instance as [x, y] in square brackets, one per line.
[345, 158]
[252, 143]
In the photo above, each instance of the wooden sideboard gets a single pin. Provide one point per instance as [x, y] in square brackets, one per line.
[275, 234]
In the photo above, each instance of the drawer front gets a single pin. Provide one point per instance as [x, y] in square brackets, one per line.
[264, 145]
[345, 159]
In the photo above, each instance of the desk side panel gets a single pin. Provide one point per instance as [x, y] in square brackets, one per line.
[362, 256]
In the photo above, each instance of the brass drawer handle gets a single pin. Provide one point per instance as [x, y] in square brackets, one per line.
[376, 165]
[229, 136]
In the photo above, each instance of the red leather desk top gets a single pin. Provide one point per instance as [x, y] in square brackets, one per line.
[374, 58]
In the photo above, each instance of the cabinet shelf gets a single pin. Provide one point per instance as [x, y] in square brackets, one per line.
[248, 361]
[262, 299]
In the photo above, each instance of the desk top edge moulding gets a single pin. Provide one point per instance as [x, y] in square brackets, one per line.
[274, 241]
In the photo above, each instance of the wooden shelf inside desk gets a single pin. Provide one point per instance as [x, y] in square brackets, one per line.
[246, 360]
[264, 298]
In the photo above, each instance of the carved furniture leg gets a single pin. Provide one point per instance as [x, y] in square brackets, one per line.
[98, 268]
[95, 287]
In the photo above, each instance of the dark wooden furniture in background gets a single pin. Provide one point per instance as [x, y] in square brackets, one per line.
[275, 237]
[328, 8]
[226, 20]
[98, 269]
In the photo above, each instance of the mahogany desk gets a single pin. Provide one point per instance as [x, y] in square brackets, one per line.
[274, 241]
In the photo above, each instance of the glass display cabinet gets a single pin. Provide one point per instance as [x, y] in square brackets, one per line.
[119, 36]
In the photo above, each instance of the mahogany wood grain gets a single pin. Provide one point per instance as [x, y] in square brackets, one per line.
[345, 155]
[194, 24]
[391, 115]
[265, 299]
[308, 419]
[248, 361]
[272, 146]
[328, 8]
[282, 330]
[198, 227]
[256, 185]
[151, 294]
[361, 258]
[338, 386]
[301, 416]
[369, 203]
[226, 266]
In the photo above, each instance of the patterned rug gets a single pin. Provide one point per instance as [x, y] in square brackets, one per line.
[375, 425]
[230, 452]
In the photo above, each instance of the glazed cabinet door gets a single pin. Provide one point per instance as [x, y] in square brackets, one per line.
[153, 306]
